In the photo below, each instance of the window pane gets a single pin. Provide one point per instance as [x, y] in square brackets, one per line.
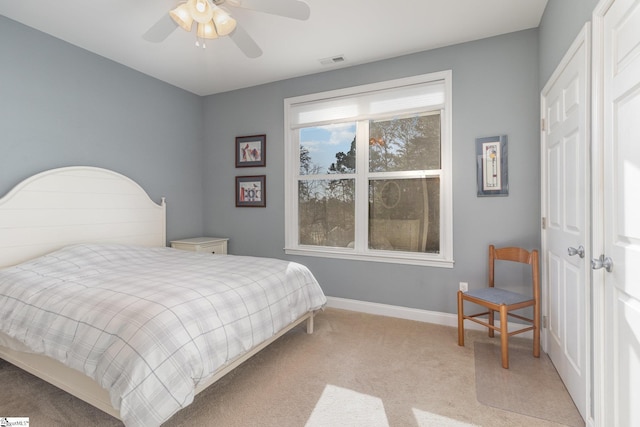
[326, 212]
[411, 143]
[328, 149]
[404, 215]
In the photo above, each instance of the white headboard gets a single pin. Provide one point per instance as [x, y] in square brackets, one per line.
[72, 205]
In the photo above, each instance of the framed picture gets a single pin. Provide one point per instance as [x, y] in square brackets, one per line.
[492, 172]
[251, 191]
[251, 151]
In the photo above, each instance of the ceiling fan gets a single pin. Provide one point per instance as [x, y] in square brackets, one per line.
[211, 20]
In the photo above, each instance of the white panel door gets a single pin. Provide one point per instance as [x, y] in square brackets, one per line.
[618, 290]
[566, 210]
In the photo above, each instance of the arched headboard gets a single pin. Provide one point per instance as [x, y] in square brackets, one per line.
[76, 204]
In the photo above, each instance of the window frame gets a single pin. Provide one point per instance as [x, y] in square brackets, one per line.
[292, 168]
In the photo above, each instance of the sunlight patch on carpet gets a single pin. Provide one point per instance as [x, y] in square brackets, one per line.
[429, 419]
[341, 406]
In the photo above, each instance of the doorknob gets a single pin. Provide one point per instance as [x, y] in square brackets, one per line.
[598, 263]
[574, 251]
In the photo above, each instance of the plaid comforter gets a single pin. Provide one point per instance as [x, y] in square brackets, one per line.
[148, 324]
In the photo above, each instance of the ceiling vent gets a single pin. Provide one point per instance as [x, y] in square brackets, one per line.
[332, 60]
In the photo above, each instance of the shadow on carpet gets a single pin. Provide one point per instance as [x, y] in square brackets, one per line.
[531, 386]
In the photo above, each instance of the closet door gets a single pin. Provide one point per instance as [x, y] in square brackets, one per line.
[616, 272]
[565, 111]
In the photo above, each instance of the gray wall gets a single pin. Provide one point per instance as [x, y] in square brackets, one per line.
[63, 106]
[495, 91]
[561, 22]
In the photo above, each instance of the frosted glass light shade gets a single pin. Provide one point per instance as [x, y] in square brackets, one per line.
[201, 10]
[225, 24]
[207, 31]
[182, 17]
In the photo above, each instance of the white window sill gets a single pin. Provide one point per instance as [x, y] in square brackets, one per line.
[376, 256]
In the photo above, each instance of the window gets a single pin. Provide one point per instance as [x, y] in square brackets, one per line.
[368, 172]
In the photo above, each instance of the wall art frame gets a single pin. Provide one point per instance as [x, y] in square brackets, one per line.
[251, 151]
[251, 191]
[492, 174]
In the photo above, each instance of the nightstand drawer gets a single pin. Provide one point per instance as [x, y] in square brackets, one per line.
[214, 245]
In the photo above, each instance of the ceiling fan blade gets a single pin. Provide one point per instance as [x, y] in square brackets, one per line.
[160, 30]
[288, 8]
[245, 43]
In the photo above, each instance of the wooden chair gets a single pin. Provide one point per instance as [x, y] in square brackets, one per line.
[504, 302]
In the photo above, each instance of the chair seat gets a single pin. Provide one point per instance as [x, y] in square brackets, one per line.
[498, 296]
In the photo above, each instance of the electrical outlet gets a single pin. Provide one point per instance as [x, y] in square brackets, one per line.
[464, 286]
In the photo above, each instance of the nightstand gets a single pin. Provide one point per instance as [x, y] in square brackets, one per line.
[214, 245]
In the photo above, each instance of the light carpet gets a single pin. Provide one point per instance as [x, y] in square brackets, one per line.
[355, 370]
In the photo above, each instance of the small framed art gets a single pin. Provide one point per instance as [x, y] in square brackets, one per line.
[251, 151]
[251, 191]
[492, 174]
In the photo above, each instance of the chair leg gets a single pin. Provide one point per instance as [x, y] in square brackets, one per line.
[460, 319]
[491, 331]
[536, 331]
[504, 336]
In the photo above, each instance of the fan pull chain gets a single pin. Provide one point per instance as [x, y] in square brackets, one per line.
[200, 43]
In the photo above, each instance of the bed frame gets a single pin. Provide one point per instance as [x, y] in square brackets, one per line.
[82, 204]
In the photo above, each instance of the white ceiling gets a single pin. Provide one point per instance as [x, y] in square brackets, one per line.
[360, 30]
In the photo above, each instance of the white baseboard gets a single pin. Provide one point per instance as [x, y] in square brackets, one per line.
[435, 317]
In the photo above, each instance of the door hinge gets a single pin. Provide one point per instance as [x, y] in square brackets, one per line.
[544, 322]
[544, 223]
[542, 125]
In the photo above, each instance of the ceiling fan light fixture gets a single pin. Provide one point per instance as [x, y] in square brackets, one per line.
[225, 24]
[207, 31]
[200, 10]
[182, 16]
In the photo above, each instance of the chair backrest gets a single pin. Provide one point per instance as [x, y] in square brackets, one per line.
[516, 255]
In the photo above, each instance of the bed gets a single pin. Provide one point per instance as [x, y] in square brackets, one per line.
[92, 300]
